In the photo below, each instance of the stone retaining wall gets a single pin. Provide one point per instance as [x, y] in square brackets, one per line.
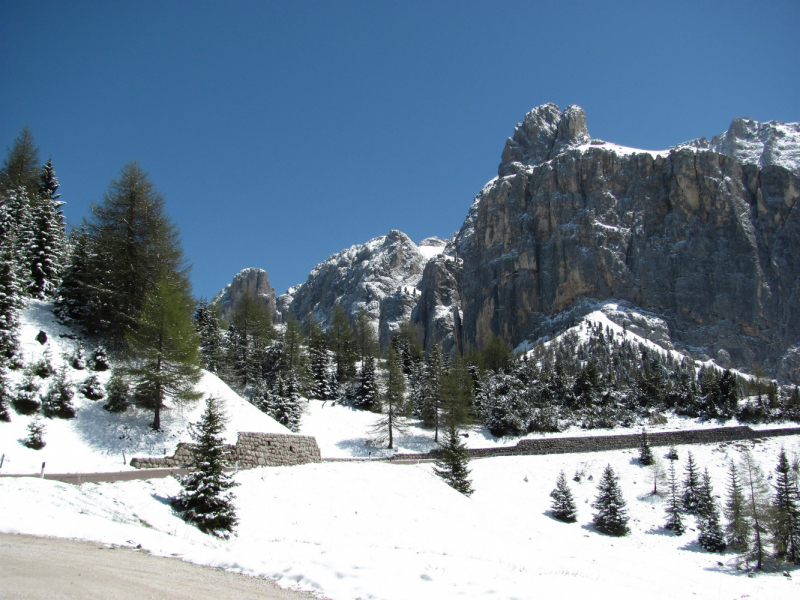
[251, 450]
[600, 443]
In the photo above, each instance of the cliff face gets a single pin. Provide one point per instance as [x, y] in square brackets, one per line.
[251, 281]
[707, 242]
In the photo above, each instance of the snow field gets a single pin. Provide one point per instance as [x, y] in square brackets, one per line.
[378, 530]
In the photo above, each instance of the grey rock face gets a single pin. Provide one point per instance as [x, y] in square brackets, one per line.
[380, 277]
[248, 281]
[437, 313]
[545, 133]
[762, 144]
[707, 243]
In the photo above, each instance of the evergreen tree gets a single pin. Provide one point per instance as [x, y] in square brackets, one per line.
[21, 166]
[393, 401]
[206, 320]
[36, 434]
[711, 537]
[78, 359]
[91, 388]
[756, 507]
[738, 528]
[691, 487]
[283, 402]
[100, 360]
[5, 394]
[47, 249]
[323, 386]
[786, 510]
[136, 246]
[163, 347]
[250, 335]
[367, 395]
[77, 296]
[496, 355]
[611, 517]
[432, 395]
[48, 182]
[206, 498]
[452, 466]
[456, 393]
[26, 401]
[117, 391]
[57, 401]
[563, 504]
[10, 303]
[674, 522]
[294, 355]
[342, 342]
[365, 335]
[672, 454]
[645, 453]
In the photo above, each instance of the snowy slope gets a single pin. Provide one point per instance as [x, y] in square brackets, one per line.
[96, 439]
[377, 530]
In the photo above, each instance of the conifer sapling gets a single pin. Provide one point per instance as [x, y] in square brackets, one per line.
[563, 505]
[611, 517]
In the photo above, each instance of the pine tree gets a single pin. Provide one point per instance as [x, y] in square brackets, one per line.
[47, 248]
[367, 395]
[77, 296]
[756, 507]
[206, 498]
[611, 517]
[674, 522]
[206, 319]
[78, 359]
[786, 510]
[91, 388]
[691, 486]
[342, 342]
[5, 394]
[250, 335]
[100, 360]
[672, 454]
[432, 395]
[26, 401]
[563, 504]
[711, 537]
[738, 529]
[117, 391]
[323, 386]
[284, 402]
[57, 401]
[135, 247]
[36, 434]
[452, 466]
[163, 347]
[10, 303]
[645, 453]
[393, 401]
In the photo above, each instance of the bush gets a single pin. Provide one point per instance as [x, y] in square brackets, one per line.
[91, 388]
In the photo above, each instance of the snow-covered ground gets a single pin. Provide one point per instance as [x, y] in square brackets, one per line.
[375, 530]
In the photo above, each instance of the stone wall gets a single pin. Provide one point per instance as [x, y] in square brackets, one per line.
[600, 443]
[251, 450]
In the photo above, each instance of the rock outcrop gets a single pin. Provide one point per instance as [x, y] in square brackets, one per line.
[709, 244]
[253, 282]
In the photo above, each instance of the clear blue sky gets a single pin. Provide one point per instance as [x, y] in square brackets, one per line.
[282, 132]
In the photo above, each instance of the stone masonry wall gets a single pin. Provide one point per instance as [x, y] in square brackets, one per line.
[251, 450]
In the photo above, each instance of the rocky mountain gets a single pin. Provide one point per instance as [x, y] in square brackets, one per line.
[383, 277]
[250, 281]
[706, 242]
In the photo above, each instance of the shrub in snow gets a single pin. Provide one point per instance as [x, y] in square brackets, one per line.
[611, 517]
[672, 454]
[100, 359]
[91, 388]
[57, 401]
[35, 434]
[563, 505]
[26, 401]
[44, 367]
[452, 467]
[78, 360]
[206, 499]
[117, 389]
[645, 453]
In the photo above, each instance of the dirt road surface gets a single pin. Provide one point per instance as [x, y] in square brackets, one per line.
[36, 568]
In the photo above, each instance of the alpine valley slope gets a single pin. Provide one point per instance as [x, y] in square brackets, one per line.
[703, 237]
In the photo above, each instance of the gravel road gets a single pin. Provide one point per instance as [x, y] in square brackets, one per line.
[51, 568]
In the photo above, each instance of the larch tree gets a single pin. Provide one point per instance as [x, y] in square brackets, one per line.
[21, 165]
[392, 421]
[645, 452]
[163, 347]
[342, 342]
[756, 506]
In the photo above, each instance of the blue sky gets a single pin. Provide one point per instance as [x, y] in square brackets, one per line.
[282, 132]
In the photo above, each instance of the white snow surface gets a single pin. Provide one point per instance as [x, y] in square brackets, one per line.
[94, 441]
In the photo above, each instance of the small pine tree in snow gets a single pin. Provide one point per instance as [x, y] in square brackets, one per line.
[5, 395]
[100, 360]
[786, 512]
[206, 498]
[645, 453]
[78, 360]
[92, 388]
[611, 517]
[367, 394]
[738, 529]
[563, 505]
[44, 367]
[711, 537]
[674, 522]
[691, 487]
[672, 454]
[57, 401]
[26, 401]
[284, 402]
[117, 390]
[36, 434]
[452, 467]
